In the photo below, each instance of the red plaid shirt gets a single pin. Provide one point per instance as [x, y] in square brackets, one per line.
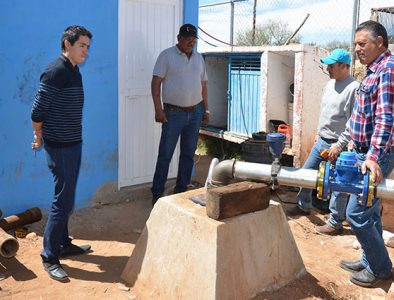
[371, 123]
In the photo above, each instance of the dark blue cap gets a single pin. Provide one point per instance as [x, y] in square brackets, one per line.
[188, 30]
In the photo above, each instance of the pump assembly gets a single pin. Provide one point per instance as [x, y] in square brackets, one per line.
[343, 176]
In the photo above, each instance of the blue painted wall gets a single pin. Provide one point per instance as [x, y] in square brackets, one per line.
[31, 40]
[190, 12]
[31, 32]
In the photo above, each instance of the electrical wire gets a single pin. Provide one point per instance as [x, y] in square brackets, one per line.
[210, 44]
[280, 199]
[240, 102]
[216, 39]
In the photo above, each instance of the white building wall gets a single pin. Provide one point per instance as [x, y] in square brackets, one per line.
[278, 75]
[309, 81]
[217, 70]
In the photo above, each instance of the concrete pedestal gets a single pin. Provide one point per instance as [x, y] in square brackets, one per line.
[183, 254]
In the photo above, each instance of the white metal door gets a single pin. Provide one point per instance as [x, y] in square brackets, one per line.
[146, 27]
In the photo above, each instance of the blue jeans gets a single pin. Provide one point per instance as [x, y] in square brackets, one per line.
[338, 201]
[64, 164]
[367, 227]
[185, 125]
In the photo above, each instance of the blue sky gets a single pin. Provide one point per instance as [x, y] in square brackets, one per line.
[329, 19]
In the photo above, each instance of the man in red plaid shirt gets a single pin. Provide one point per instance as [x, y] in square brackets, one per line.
[371, 129]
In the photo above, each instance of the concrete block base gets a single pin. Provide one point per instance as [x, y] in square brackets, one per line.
[183, 254]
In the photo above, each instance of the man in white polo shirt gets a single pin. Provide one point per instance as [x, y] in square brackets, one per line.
[179, 92]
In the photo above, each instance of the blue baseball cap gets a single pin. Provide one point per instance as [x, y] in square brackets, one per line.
[338, 55]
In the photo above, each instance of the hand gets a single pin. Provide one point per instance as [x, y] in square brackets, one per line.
[376, 171]
[205, 118]
[160, 116]
[317, 137]
[350, 146]
[37, 141]
[333, 153]
[325, 153]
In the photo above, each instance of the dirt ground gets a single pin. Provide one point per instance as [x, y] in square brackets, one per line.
[112, 226]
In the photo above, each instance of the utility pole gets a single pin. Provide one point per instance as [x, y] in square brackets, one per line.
[254, 24]
[356, 16]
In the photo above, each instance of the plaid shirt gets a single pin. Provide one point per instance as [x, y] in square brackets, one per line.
[371, 124]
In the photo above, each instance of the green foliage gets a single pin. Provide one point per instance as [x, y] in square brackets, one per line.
[219, 148]
[270, 33]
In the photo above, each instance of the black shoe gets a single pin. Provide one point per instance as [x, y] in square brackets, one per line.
[55, 271]
[366, 279]
[74, 250]
[296, 211]
[351, 266]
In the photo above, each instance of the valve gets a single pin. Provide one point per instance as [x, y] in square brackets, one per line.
[345, 176]
[276, 142]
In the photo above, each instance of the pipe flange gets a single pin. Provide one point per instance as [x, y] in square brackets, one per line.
[320, 179]
[371, 191]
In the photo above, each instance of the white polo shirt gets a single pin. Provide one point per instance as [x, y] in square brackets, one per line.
[181, 76]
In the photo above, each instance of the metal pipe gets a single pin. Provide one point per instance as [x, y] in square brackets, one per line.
[221, 173]
[14, 221]
[213, 164]
[287, 176]
[385, 189]
[228, 170]
[8, 244]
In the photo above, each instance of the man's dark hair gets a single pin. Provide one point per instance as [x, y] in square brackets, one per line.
[72, 34]
[375, 29]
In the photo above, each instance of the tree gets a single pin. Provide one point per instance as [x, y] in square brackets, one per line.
[337, 44]
[270, 33]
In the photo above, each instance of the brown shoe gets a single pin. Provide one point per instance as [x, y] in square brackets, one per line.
[296, 211]
[327, 229]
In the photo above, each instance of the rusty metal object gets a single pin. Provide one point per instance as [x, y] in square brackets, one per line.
[8, 244]
[29, 216]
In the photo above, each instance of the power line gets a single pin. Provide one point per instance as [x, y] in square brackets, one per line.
[210, 44]
[216, 39]
[221, 3]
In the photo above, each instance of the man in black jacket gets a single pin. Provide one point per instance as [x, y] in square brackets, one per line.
[57, 125]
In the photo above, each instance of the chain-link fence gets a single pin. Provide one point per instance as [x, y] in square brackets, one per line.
[327, 23]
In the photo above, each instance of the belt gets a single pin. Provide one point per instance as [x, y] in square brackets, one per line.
[182, 108]
[365, 149]
[362, 149]
[329, 141]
